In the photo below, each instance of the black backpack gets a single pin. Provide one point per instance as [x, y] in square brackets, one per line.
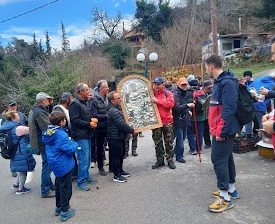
[7, 147]
[200, 98]
[245, 109]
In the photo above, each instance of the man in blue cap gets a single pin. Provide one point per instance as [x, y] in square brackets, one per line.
[164, 100]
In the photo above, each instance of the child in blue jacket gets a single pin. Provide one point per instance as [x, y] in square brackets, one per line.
[60, 150]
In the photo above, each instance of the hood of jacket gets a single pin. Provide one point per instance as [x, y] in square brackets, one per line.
[226, 75]
[49, 135]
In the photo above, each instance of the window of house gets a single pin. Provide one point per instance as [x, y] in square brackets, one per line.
[227, 46]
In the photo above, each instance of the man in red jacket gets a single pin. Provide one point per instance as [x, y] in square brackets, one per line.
[164, 100]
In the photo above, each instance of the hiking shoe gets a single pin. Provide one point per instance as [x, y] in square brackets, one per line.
[15, 186]
[191, 152]
[171, 164]
[119, 179]
[57, 211]
[234, 195]
[66, 215]
[102, 172]
[134, 153]
[220, 205]
[181, 160]
[24, 190]
[125, 174]
[83, 187]
[158, 164]
[51, 194]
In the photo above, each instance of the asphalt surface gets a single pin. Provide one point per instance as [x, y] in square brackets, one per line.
[151, 196]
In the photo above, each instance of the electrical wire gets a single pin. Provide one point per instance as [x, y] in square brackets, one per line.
[24, 13]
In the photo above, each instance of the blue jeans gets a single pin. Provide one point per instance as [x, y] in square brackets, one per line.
[46, 181]
[191, 135]
[84, 159]
[180, 134]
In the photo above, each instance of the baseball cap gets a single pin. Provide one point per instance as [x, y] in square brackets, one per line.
[158, 80]
[42, 96]
[182, 81]
[207, 84]
[65, 96]
[11, 102]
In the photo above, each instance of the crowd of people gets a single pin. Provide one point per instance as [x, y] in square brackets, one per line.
[73, 134]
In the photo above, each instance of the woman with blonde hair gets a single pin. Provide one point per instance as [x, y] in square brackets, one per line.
[23, 160]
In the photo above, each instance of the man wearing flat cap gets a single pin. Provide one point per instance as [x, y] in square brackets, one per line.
[38, 122]
[164, 100]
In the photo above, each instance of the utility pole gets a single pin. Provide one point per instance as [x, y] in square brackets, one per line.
[214, 26]
[190, 27]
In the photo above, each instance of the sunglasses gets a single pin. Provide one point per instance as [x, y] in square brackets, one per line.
[12, 105]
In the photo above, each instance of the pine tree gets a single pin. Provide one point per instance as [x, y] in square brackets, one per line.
[65, 41]
[48, 45]
[35, 50]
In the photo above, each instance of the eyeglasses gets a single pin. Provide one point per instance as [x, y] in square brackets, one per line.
[12, 105]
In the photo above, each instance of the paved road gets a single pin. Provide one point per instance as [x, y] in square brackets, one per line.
[152, 196]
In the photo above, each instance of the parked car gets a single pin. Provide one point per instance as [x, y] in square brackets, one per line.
[239, 53]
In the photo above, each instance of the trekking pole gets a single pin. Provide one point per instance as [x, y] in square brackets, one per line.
[197, 134]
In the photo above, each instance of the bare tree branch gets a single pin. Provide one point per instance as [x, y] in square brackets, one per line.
[105, 23]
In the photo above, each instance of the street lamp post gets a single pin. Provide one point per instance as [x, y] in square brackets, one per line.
[152, 58]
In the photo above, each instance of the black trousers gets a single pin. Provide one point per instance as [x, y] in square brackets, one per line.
[100, 151]
[206, 134]
[223, 161]
[117, 152]
[63, 191]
